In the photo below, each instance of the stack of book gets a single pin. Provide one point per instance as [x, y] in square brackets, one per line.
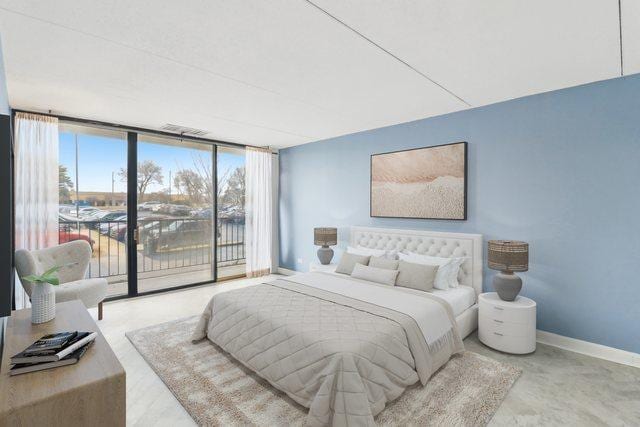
[52, 351]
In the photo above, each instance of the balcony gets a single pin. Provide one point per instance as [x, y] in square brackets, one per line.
[170, 252]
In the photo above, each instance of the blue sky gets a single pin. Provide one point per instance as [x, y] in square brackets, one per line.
[99, 156]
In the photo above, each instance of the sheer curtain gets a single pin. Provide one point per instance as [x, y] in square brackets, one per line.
[258, 211]
[36, 186]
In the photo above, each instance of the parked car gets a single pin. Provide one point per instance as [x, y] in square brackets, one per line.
[88, 211]
[91, 215]
[157, 208]
[105, 227]
[67, 209]
[96, 220]
[67, 234]
[118, 231]
[177, 234]
[179, 210]
[153, 223]
[147, 206]
[202, 213]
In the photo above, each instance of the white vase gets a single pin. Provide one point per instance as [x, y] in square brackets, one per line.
[43, 303]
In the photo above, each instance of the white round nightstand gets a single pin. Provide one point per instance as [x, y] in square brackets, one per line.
[508, 326]
[316, 266]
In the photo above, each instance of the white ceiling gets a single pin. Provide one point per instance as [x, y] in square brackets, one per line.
[286, 72]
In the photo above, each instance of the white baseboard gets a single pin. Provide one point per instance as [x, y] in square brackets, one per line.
[286, 271]
[590, 349]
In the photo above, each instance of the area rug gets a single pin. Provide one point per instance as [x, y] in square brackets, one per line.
[217, 390]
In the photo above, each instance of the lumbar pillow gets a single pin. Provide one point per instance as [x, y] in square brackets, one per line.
[372, 274]
[382, 262]
[348, 261]
[416, 276]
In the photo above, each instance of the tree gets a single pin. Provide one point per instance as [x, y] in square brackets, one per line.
[192, 184]
[235, 189]
[65, 184]
[197, 185]
[202, 167]
[148, 172]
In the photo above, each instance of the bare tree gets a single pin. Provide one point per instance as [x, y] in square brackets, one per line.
[202, 165]
[192, 184]
[235, 189]
[148, 172]
[197, 183]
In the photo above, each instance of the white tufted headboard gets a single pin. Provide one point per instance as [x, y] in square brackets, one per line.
[432, 243]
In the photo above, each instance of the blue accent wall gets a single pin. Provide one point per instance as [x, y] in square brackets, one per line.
[560, 170]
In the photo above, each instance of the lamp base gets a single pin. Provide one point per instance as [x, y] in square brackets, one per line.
[507, 284]
[325, 254]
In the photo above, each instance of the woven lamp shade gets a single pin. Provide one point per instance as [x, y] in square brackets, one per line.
[325, 236]
[508, 255]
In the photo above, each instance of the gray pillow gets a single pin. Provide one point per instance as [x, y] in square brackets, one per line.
[348, 261]
[416, 276]
[377, 275]
[382, 262]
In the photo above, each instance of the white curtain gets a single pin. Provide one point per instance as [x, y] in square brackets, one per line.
[36, 186]
[258, 211]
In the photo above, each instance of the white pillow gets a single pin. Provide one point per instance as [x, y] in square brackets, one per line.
[447, 275]
[388, 253]
[361, 250]
[454, 283]
[373, 274]
[442, 275]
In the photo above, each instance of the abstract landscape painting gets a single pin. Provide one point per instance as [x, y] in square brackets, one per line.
[428, 183]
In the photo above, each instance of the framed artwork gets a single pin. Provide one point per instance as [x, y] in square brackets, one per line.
[425, 183]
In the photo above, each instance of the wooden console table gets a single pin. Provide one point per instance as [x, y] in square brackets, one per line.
[90, 392]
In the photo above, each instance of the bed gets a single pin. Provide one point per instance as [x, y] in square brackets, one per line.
[344, 347]
[440, 244]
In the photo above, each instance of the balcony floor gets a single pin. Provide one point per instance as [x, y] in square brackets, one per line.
[163, 279]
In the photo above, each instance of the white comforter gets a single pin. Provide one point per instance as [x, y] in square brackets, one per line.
[341, 347]
[430, 314]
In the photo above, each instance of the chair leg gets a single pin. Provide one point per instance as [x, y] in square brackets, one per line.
[100, 310]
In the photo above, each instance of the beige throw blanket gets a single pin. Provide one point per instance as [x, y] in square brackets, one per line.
[342, 357]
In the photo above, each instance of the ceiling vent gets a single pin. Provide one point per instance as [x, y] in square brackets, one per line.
[183, 130]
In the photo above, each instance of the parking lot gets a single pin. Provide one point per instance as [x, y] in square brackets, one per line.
[172, 249]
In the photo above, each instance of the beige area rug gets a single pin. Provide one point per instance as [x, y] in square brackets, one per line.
[217, 390]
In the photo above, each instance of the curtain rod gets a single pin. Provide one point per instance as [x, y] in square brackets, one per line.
[137, 129]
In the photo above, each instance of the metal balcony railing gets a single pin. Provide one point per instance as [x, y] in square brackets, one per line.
[163, 244]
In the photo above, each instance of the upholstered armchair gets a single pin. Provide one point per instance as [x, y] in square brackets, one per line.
[74, 258]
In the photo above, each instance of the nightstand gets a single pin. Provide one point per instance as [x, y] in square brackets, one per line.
[508, 326]
[316, 266]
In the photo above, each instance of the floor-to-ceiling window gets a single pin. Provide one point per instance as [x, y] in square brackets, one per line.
[230, 212]
[93, 197]
[188, 220]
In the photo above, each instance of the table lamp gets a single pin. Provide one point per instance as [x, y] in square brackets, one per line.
[508, 256]
[325, 237]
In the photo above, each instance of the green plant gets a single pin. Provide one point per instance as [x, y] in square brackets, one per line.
[49, 276]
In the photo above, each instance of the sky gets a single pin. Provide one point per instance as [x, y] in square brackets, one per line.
[99, 156]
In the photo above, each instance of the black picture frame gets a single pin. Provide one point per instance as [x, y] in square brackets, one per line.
[466, 185]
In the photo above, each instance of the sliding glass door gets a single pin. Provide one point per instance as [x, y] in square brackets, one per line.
[176, 226]
[160, 212]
